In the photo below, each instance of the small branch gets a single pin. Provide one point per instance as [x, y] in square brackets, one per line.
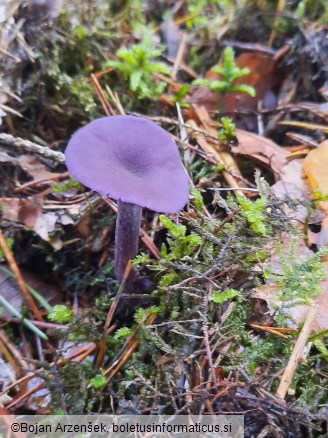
[104, 102]
[179, 57]
[22, 286]
[290, 369]
[26, 145]
[102, 343]
[206, 338]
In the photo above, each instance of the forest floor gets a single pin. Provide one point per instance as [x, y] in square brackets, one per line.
[230, 313]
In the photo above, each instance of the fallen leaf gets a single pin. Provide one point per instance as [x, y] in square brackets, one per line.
[315, 167]
[262, 150]
[297, 313]
[33, 166]
[7, 377]
[45, 224]
[271, 292]
[24, 211]
[29, 212]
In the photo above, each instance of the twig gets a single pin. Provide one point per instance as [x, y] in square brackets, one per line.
[22, 286]
[104, 102]
[178, 58]
[110, 314]
[280, 7]
[290, 369]
[114, 96]
[213, 153]
[44, 151]
[21, 319]
[78, 354]
[41, 324]
[129, 347]
[206, 339]
[230, 165]
[36, 295]
[11, 355]
[26, 394]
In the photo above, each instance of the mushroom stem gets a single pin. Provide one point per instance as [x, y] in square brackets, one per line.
[126, 235]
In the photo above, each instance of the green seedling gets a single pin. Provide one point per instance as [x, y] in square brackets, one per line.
[229, 73]
[221, 297]
[138, 64]
[228, 133]
[98, 381]
[179, 96]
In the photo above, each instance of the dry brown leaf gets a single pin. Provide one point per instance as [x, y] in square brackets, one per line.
[29, 212]
[274, 157]
[24, 211]
[270, 292]
[262, 150]
[33, 166]
[315, 167]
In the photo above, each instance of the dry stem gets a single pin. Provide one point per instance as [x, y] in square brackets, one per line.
[290, 369]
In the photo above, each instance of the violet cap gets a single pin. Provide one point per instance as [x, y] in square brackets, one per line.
[129, 158]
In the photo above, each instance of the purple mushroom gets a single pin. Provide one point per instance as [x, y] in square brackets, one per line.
[133, 160]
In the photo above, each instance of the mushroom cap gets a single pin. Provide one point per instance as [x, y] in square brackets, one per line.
[129, 158]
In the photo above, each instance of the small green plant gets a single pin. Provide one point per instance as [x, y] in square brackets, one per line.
[229, 73]
[201, 12]
[228, 133]
[179, 96]
[221, 297]
[67, 185]
[181, 244]
[122, 333]
[98, 381]
[197, 199]
[138, 64]
[140, 313]
[61, 314]
[254, 212]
